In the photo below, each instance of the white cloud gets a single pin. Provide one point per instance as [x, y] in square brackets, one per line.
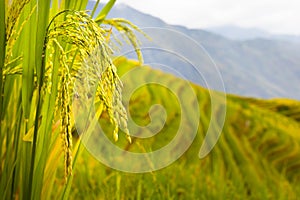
[277, 16]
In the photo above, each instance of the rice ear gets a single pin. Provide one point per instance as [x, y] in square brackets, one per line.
[85, 55]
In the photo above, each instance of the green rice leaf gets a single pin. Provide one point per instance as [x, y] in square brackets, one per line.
[35, 178]
[2, 48]
[95, 8]
[42, 23]
[104, 12]
[29, 60]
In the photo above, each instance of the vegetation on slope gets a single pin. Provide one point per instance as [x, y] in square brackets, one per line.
[256, 157]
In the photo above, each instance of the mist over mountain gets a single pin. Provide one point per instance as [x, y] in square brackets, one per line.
[238, 33]
[257, 67]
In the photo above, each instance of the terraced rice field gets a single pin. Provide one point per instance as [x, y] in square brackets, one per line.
[257, 155]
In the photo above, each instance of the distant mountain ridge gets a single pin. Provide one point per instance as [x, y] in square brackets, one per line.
[238, 33]
[264, 68]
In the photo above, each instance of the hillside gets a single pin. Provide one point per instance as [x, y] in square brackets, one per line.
[256, 157]
[264, 68]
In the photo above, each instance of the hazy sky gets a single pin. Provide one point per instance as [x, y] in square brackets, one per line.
[276, 16]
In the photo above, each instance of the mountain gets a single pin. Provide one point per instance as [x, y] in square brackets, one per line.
[238, 33]
[257, 155]
[260, 67]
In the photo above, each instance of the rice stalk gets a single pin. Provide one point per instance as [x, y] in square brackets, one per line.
[43, 52]
[91, 64]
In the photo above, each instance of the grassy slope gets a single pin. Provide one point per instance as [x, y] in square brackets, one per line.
[257, 156]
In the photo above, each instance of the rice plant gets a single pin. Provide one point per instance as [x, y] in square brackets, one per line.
[45, 46]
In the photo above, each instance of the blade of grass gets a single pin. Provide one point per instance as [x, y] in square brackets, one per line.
[2, 60]
[52, 164]
[81, 5]
[16, 173]
[2, 53]
[42, 23]
[45, 136]
[95, 8]
[7, 174]
[28, 61]
[54, 8]
[104, 12]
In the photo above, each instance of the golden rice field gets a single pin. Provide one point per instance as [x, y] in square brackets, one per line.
[52, 54]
